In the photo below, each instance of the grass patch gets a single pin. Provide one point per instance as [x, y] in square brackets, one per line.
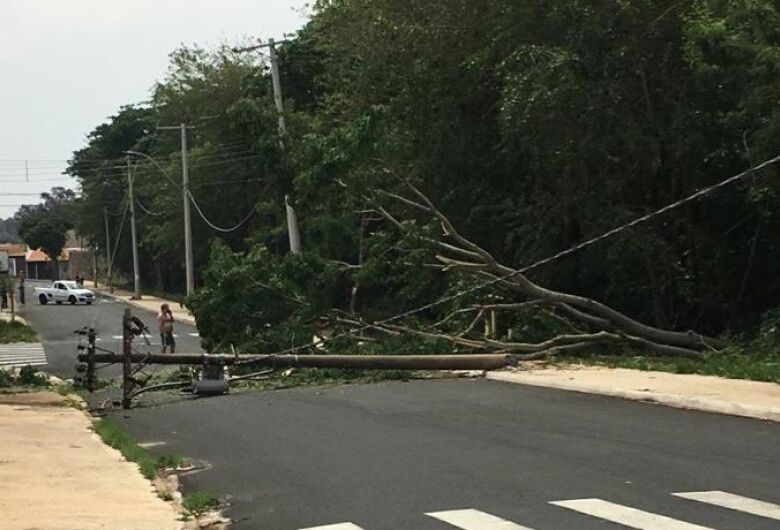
[728, 363]
[113, 435]
[198, 502]
[755, 356]
[16, 332]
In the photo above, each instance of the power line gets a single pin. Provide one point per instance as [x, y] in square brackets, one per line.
[544, 261]
[212, 225]
[145, 209]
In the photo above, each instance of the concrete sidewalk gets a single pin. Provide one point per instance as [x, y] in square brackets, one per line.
[736, 397]
[5, 315]
[148, 302]
[59, 475]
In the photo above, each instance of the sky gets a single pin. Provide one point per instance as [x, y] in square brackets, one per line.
[67, 65]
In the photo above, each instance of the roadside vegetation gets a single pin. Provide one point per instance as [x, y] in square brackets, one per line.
[755, 357]
[16, 332]
[198, 502]
[113, 435]
[26, 378]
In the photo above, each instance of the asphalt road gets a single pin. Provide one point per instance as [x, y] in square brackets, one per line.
[383, 456]
[55, 325]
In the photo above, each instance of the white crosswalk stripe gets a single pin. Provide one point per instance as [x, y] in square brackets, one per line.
[475, 520]
[626, 516]
[734, 502]
[339, 526]
[630, 517]
[21, 355]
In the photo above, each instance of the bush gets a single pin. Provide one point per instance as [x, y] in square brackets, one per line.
[199, 501]
[29, 376]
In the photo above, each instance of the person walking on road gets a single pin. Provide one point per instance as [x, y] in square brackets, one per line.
[165, 323]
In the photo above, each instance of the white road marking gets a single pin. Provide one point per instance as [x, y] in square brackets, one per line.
[734, 502]
[147, 445]
[22, 364]
[630, 517]
[475, 520]
[339, 526]
[193, 335]
[18, 356]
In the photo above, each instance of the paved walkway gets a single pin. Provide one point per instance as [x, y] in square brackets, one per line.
[737, 397]
[64, 478]
[148, 302]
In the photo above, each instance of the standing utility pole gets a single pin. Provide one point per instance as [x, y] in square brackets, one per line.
[185, 192]
[276, 81]
[185, 195]
[136, 270]
[108, 252]
[293, 232]
[277, 84]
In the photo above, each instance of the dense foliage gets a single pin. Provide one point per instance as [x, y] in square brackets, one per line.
[533, 125]
[9, 231]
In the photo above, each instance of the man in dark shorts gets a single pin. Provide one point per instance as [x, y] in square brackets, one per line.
[165, 323]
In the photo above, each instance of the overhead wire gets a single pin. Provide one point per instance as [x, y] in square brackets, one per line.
[145, 209]
[212, 225]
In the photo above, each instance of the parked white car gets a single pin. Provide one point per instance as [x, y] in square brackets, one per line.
[64, 291]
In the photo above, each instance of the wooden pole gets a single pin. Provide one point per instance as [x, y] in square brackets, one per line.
[360, 362]
[126, 358]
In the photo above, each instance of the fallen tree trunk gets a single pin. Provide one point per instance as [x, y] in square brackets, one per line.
[605, 323]
[358, 362]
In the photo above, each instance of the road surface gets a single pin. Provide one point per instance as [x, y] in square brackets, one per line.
[471, 454]
[55, 325]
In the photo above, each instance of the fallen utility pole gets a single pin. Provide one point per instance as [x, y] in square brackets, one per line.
[363, 362]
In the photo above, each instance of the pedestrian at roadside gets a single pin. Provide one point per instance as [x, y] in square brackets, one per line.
[21, 289]
[165, 323]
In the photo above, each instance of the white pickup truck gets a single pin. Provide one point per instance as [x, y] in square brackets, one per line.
[64, 291]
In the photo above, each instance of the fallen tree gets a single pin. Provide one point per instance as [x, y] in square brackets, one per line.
[590, 322]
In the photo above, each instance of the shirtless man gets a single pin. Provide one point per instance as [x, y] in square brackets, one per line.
[165, 323]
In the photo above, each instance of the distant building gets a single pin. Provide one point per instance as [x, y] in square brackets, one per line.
[73, 261]
[16, 254]
[39, 266]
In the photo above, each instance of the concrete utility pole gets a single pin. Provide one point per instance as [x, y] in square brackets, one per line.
[185, 195]
[276, 80]
[277, 84]
[293, 232]
[292, 227]
[185, 191]
[136, 269]
[108, 252]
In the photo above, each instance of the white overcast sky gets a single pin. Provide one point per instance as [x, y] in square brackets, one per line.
[66, 65]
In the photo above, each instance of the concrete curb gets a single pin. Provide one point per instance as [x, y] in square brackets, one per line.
[19, 318]
[671, 400]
